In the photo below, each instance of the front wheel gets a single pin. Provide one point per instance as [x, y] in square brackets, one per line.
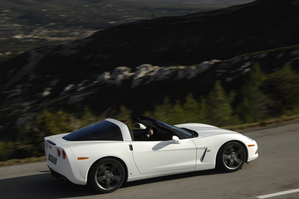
[106, 176]
[231, 157]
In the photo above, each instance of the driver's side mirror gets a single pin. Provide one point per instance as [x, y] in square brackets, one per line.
[176, 140]
[139, 126]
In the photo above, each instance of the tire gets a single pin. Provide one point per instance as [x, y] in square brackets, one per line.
[106, 175]
[230, 157]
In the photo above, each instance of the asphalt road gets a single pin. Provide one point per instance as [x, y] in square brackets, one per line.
[275, 170]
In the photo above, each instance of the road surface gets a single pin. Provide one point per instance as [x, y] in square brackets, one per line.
[275, 174]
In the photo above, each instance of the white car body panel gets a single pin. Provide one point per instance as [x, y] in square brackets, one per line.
[144, 159]
[164, 156]
[211, 136]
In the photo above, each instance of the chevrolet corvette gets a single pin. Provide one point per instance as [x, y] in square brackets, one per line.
[106, 154]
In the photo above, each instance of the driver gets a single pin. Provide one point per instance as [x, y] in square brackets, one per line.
[150, 133]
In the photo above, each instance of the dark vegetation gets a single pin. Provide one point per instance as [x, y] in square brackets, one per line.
[260, 98]
[269, 90]
[187, 40]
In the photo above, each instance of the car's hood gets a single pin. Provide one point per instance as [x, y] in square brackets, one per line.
[205, 130]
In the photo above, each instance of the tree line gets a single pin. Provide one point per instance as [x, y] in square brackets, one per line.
[261, 97]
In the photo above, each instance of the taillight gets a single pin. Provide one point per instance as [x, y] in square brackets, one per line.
[58, 152]
[63, 154]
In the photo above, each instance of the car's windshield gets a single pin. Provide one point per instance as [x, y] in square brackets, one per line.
[178, 130]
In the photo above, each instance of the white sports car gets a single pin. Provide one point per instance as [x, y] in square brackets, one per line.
[108, 153]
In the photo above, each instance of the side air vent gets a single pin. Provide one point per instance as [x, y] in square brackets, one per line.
[203, 155]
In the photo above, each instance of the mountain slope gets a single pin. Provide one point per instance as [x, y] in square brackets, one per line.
[87, 72]
[183, 40]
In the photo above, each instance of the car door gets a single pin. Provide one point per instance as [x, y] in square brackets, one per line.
[164, 156]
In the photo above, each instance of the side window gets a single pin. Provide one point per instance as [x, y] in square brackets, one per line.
[103, 130]
[156, 135]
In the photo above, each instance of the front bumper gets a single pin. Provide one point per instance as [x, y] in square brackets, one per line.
[252, 149]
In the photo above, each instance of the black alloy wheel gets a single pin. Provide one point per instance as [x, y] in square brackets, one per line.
[231, 157]
[107, 175]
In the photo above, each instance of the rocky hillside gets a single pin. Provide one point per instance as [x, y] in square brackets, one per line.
[183, 40]
[138, 64]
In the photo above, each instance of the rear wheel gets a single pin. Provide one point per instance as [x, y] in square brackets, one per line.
[231, 157]
[107, 175]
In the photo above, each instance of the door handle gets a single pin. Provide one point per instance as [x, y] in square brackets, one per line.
[131, 147]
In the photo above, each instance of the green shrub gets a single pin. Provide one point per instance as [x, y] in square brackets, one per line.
[7, 150]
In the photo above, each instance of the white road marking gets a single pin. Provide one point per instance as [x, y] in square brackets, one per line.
[277, 194]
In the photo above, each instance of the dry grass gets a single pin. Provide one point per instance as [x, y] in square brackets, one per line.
[263, 123]
[22, 161]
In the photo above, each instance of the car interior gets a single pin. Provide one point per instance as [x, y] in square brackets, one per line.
[158, 135]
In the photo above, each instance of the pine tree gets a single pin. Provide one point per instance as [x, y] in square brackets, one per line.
[191, 109]
[176, 114]
[282, 87]
[253, 106]
[161, 112]
[203, 111]
[219, 110]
